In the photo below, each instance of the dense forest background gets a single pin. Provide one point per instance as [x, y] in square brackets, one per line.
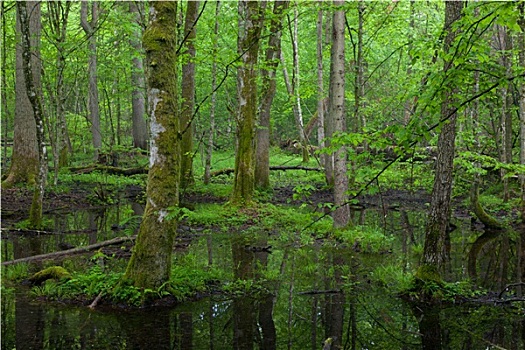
[430, 81]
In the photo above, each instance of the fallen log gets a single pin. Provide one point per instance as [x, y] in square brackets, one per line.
[229, 171]
[109, 169]
[78, 250]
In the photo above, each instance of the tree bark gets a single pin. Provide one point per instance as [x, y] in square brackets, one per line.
[521, 41]
[336, 114]
[262, 164]
[250, 15]
[34, 95]
[209, 149]
[138, 100]
[24, 166]
[326, 160]
[188, 94]
[437, 241]
[90, 29]
[150, 263]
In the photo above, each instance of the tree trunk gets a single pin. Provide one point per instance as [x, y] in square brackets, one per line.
[25, 159]
[188, 94]
[209, 149]
[262, 164]
[336, 114]
[359, 117]
[326, 160]
[521, 40]
[138, 101]
[248, 45]
[437, 241]
[89, 29]
[150, 263]
[31, 26]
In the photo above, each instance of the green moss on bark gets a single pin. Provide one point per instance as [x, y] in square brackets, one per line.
[53, 272]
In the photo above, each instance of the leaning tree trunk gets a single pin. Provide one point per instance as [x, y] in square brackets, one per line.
[90, 28]
[25, 158]
[150, 263]
[248, 45]
[437, 241]
[336, 114]
[138, 100]
[188, 95]
[35, 213]
[269, 85]
[209, 148]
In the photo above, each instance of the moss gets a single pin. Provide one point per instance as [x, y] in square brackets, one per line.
[428, 273]
[488, 220]
[53, 272]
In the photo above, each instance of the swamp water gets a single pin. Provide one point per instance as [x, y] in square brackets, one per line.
[318, 294]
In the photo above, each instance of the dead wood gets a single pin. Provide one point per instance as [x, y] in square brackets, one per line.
[229, 171]
[108, 169]
[78, 250]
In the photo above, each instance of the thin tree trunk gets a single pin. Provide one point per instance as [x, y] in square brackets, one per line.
[209, 150]
[188, 94]
[138, 100]
[262, 164]
[437, 241]
[521, 40]
[31, 26]
[336, 113]
[89, 29]
[359, 117]
[326, 160]
[150, 263]
[250, 15]
[5, 107]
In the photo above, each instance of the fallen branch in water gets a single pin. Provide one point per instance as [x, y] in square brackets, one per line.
[78, 250]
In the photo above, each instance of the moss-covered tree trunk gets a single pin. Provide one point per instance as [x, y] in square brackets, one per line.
[248, 45]
[188, 94]
[150, 263]
[269, 85]
[34, 93]
[436, 250]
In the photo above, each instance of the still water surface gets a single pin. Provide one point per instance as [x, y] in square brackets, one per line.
[322, 295]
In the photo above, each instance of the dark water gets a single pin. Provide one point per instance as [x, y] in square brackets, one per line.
[321, 294]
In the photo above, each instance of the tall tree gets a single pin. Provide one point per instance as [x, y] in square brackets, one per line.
[138, 100]
[58, 14]
[250, 19]
[326, 161]
[269, 86]
[209, 149]
[436, 250]
[34, 94]
[521, 44]
[90, 30]
[336, 114]
[150, 263]
[188, 93]
[25, 158]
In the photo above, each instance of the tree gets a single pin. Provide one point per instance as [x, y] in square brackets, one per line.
[138, 109]
[33, 93]
[150, 263]
[250, 19]
[436, 250]
[326, 161]
[521, 44]
[269, 86]
[25, 158]
[209, 149]
[336, 114]
[90, 30]
[188, 93]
